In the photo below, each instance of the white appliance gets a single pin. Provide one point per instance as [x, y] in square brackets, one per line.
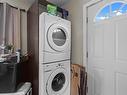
[55, 79]
[54, 38]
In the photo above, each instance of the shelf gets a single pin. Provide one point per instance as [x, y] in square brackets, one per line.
[45, 3]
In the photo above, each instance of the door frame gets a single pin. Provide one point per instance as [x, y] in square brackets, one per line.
[85, 32]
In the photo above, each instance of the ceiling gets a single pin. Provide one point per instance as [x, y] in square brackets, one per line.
[27, 3]
[58, 2]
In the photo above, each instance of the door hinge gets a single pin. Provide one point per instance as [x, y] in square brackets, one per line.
[87, 54]
[87, 90]
[86, 19]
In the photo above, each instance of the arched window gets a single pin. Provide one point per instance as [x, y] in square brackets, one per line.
[124, 9]
[111, 10]
[115, 8]
[103, 14]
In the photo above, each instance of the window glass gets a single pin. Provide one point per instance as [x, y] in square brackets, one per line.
[124, 9]
[115, 8]
[103, 14]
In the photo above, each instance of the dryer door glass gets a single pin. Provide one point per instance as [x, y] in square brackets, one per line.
[58, 82]
[59, 37]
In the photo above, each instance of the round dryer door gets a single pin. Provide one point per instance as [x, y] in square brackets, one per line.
[57, 82]
[58, 37]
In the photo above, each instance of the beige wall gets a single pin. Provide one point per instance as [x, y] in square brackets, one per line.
[75, 8]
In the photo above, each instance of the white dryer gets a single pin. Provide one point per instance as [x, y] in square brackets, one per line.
[54, 38]
[55, 79]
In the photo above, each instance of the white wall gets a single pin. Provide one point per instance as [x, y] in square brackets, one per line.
[75, 8]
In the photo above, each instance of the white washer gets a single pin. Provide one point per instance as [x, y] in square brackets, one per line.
[54, 38]
[55, 79]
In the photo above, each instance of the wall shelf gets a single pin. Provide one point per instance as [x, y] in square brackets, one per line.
[45, 3]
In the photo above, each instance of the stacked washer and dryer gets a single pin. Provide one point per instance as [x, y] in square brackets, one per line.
[54, 55]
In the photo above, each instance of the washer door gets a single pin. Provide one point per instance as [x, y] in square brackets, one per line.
[58, 37]
[57, 82]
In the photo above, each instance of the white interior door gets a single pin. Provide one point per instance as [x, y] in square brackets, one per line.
[107, 51]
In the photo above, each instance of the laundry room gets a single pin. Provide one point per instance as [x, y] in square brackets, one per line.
[41, 48]
[63, 47]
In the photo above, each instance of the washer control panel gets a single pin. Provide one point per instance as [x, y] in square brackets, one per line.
[51, 67]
